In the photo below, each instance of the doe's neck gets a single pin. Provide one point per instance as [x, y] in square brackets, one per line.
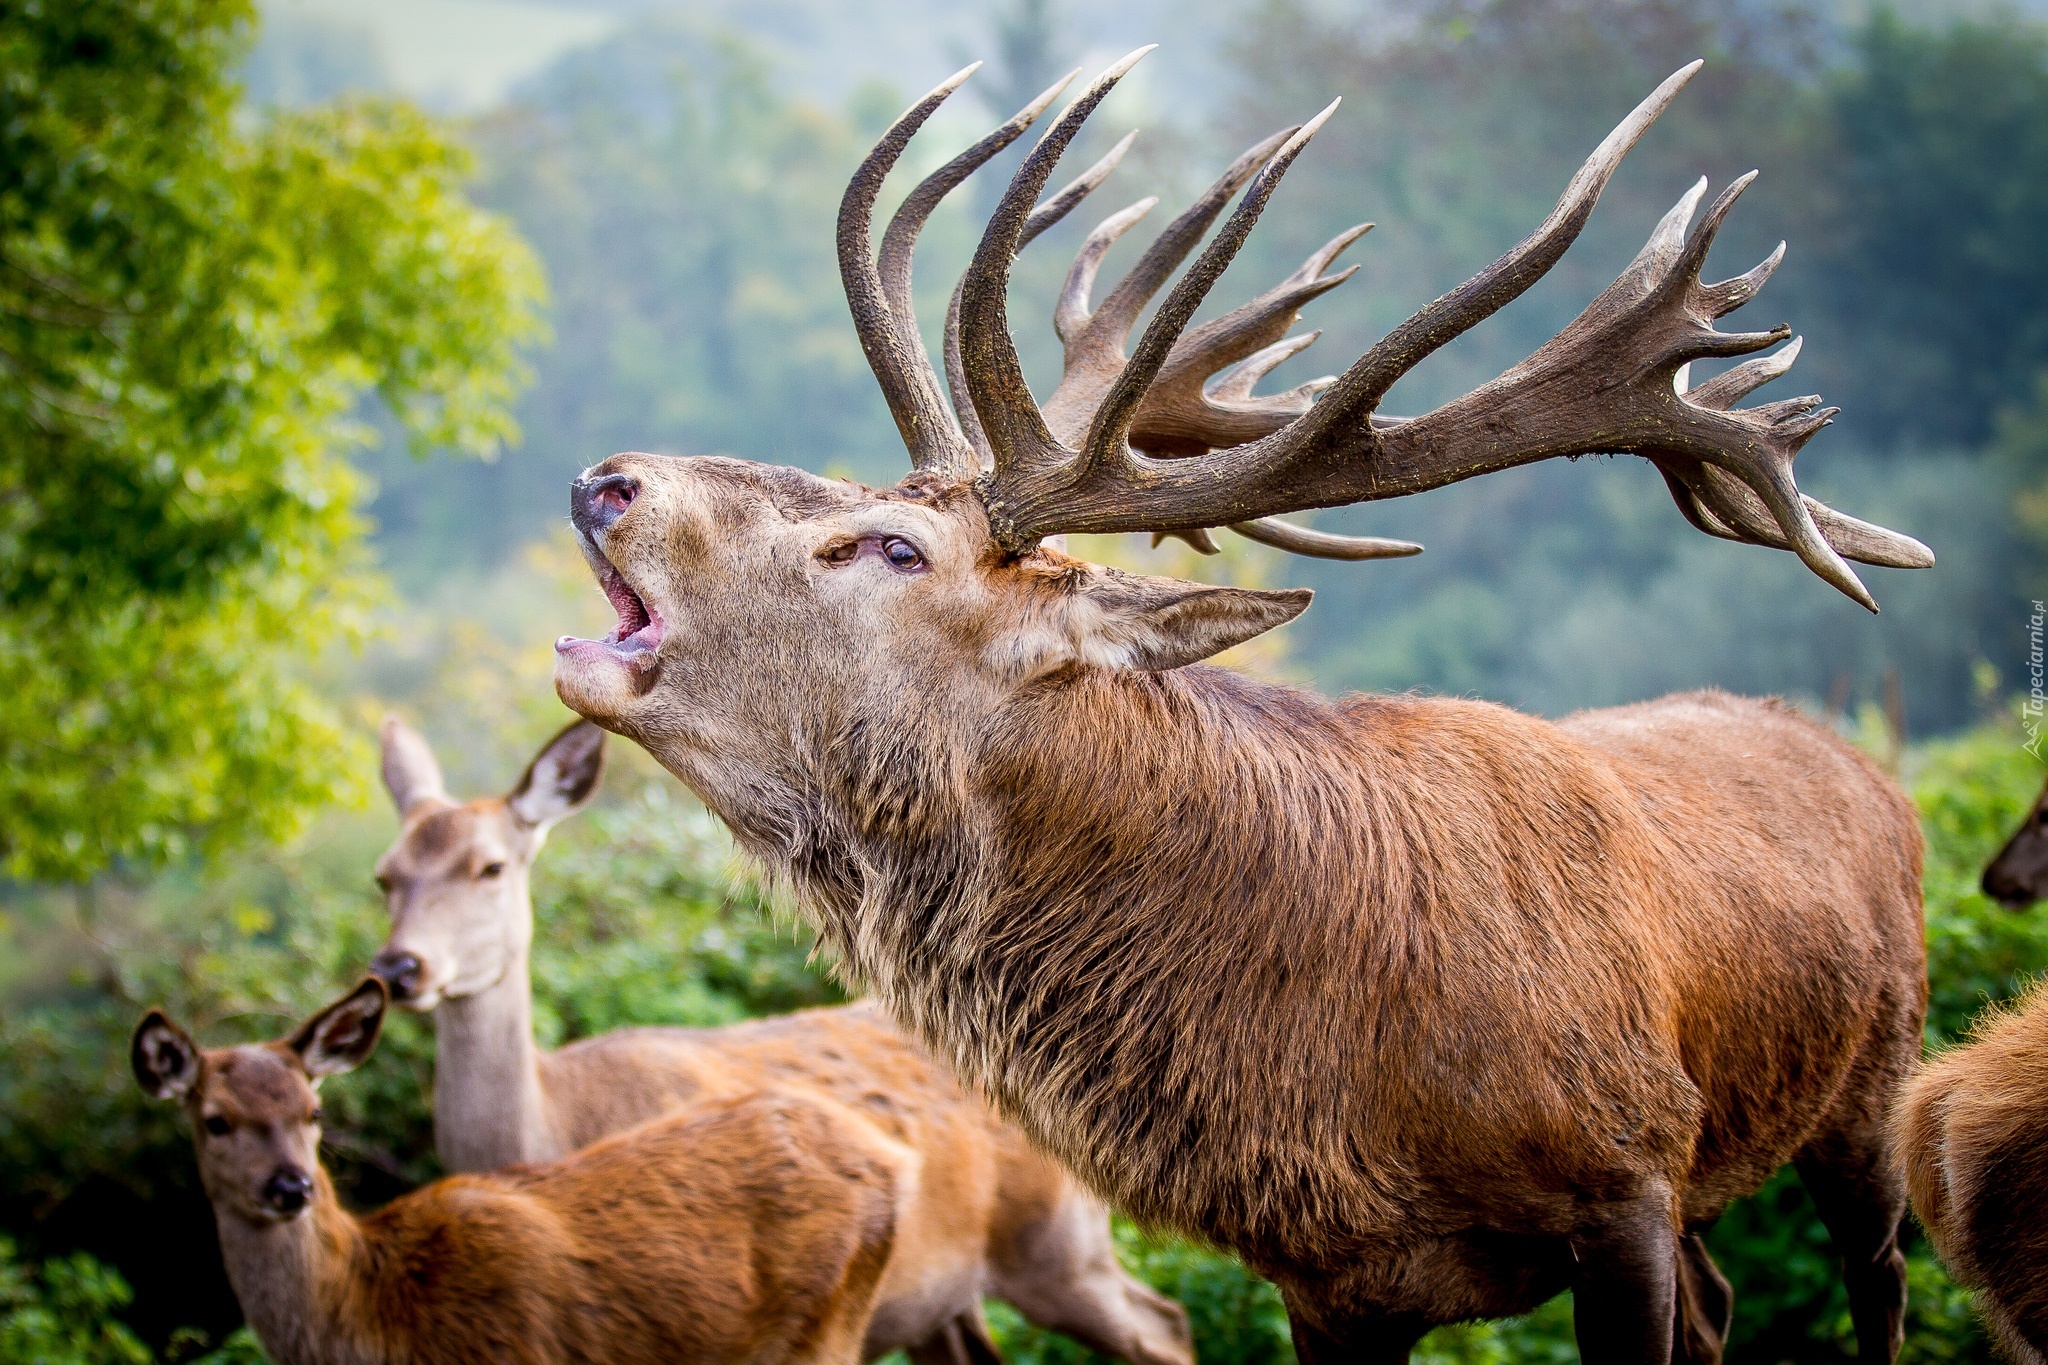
[490, 1109]
[293, 1281]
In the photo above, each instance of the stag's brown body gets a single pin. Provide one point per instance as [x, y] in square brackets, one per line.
[1973, 1131]
[1428, 1008]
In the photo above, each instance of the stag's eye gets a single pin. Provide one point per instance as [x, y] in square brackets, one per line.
[901, 554]
[217, 1125]
[491, 869]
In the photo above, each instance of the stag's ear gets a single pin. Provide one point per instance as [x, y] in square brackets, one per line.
[342, 1036]
[562, 777]
[165, 1059]
[410, 773]
[1139, 621]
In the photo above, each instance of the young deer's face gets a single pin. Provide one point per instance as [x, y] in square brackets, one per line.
[255, 1110]
[767, 615]
[456, 877]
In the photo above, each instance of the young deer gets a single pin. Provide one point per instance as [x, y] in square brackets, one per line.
[1429, 1009]
[754, 1228]
[986, 1213]
[1973, 1131]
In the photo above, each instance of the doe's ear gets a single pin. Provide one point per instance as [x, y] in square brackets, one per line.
[342, 1036]
[1160, 623]
[410, 773]
[165, 1059]
[562, 777]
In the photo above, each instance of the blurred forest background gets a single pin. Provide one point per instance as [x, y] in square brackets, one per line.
[307, 316]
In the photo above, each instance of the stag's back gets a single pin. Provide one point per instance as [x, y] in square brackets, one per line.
[1972, 1131]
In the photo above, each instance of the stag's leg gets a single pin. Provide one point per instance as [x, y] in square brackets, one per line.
[1385, 1339]
[1065, 1278]
[1625, 1282]
[1861, 1198]
[1706, 1305]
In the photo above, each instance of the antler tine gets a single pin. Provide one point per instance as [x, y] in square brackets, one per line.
[1300, 540]
[1722, 505]
[1015, 430]
[1049, 213]
[1362, 387]
[1094, 340]
[1113, 319]
[1107, 435]
[909, 219]
[889, 336]
[1045, 216]
[1607, 383]
[1178, 413]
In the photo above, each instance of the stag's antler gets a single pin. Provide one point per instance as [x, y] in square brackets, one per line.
[1142, 445]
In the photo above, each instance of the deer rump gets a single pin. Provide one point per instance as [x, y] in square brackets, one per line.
[1378, 992]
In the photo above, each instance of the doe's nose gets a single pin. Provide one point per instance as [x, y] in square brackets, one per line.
[399, 971]
[594, 504]
[287, 1189]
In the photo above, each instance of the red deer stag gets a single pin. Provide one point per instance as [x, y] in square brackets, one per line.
[2018, 876]
[1429, 1009]
[1973, 1129]
[754, 1229]
[986, 1214]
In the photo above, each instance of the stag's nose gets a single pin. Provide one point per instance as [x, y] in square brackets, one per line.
[399, 971]
[594, 504]
[287, 1189]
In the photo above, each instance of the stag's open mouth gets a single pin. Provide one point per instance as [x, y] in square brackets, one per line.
[637, 635]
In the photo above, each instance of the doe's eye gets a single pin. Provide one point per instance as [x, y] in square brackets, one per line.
[217, 1125]
[901, 553]
[492, 869]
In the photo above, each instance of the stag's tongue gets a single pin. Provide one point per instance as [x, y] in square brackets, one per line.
[633, 614]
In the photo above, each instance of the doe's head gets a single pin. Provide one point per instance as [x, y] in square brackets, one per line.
[255, 1109]
[456, 879]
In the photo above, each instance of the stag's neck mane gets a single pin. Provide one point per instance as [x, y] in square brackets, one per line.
[1147, 914]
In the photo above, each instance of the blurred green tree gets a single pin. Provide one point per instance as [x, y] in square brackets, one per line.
[1932, 171]
[193, 304]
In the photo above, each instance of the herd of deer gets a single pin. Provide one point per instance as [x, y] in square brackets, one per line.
[1427, 1009]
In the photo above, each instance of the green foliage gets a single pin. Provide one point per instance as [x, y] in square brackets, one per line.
[1935, 148]
[1236, 1317]
[64, 1313]
[192, 307]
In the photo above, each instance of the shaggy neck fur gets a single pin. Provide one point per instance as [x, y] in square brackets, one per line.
[1310, 977]
[489, 1107]
[289, 1277]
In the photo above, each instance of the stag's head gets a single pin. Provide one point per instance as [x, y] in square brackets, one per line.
[255, 1109]
[767, 615]
[457, 877]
